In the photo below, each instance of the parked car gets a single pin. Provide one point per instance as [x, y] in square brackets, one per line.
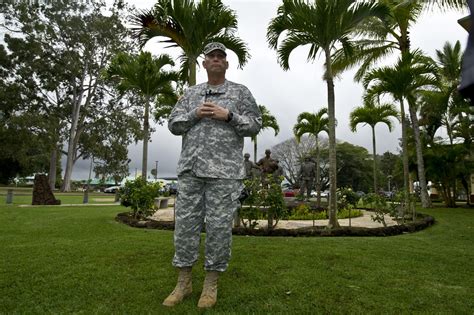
[172, 188]
[387, 194]
[111, 189]
[289, 192]
[324, 194]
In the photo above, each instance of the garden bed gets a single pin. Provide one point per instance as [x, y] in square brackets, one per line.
[422, 222]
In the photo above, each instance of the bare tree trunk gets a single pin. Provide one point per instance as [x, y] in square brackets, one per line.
[71, 150]
[53, 167]
[333, 223]
[146, 135]
[374, 154]
[78, 94]
[425, 199]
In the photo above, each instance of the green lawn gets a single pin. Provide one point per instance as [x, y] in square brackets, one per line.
[23, 196]
[79, 260]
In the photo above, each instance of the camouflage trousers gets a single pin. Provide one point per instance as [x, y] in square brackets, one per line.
[213, 202]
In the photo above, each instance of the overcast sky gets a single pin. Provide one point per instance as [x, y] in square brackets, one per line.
[288, 93]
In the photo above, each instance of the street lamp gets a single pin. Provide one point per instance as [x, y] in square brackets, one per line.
[156, 170]
[389, 177]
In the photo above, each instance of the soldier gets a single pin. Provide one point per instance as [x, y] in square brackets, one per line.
[250, 167]
[278, 172]
[267, 166]
[307, 175]
[213, 118]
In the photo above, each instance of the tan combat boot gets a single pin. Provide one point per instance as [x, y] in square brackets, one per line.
[183, 288]
[209, 290]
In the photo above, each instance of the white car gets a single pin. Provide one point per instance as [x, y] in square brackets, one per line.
[111, 190]
[324, 194]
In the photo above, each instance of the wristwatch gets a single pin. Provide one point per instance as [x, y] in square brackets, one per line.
[230, 115]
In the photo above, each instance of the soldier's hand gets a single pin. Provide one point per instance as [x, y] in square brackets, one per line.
[212, 110]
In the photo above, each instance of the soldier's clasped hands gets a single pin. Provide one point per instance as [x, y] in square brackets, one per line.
[212, 110]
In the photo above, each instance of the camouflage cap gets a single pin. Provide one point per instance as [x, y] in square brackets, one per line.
[214, 46]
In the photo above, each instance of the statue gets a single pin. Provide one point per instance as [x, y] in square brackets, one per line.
[307, 174]
[278, 172]
[267, 166]
[251, 169]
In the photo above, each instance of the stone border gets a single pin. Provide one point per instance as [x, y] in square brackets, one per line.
[422, 223]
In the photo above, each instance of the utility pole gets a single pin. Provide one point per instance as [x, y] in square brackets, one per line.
[156, 170]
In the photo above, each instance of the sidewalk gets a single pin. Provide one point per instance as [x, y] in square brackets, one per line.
[363, 221]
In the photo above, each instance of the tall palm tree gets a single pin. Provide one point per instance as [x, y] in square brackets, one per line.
[411, 73]
[313, 124]
[190, 25]
[388, 35]
[144, 76]
[268, 121]
[371, 114]
[443, 105]
[391, 33]
[328, 26]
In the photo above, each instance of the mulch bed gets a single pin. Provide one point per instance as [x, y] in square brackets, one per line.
[423, 221]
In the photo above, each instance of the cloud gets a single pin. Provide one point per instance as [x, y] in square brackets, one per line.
[288, 93]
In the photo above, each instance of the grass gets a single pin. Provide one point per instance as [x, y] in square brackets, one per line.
[79, 260]
[23, 196]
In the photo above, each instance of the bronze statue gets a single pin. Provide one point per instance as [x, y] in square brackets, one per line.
[307, 174]
[251, 169]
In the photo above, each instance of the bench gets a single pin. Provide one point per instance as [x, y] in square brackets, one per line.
[162, 202]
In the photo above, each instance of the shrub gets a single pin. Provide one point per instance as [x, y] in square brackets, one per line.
[348, 197]
[304, 212]
[263, 201]
[140, 196]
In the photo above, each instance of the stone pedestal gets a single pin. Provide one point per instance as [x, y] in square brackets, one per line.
[9, 196]
[42, 194]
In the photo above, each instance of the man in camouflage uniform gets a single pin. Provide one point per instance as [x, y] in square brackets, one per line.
[213, 118]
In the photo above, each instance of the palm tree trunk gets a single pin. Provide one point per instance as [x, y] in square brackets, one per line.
[333, 223]
[425, 199]
[404, 154]
[192, 70]
[374, 154]
[318, 175]
[146, 132]
[254, 139]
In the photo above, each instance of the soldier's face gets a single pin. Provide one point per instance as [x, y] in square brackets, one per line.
[216, 62]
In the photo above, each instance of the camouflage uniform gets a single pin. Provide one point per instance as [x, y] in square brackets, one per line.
[210, 170]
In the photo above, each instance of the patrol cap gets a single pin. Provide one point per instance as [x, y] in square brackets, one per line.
[214, 46]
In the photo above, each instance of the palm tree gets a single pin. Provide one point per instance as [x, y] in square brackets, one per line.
[444, 105]
[371, 115]
[313, 124]
[328, 26]
[387, 35]
[391, 33]
[144, 76]
[411, 73]
[268, 121]
[190, 26]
